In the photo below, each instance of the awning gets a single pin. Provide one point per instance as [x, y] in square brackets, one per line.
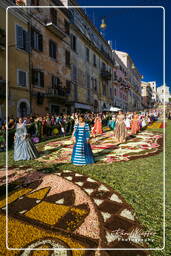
[82, 106]
[114, 109]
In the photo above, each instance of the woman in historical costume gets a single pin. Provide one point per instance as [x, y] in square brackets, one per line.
[128, 122]
[120, 132]
[97, 128]
[135, 124]
[82, 153]
[24, 149]
[144, 123]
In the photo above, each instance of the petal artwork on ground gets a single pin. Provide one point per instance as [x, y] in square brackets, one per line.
[105, 149]
[50, 211]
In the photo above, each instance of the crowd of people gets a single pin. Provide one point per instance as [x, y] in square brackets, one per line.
[25, 132]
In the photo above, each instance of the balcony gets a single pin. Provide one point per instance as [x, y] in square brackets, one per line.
[2, 89]
[106, 75]
[58, 93]
[55, 27]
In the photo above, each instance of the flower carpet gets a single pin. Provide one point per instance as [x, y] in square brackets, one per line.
[66, 210]
[156, 125]
[105, 149]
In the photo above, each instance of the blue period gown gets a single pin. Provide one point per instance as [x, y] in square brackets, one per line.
[24, 149]
[82, 153]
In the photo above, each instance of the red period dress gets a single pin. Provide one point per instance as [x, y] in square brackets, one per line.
[135, 125]
[97, 128]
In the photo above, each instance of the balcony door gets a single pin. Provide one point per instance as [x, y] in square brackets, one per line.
[55, 109]
[23, 109]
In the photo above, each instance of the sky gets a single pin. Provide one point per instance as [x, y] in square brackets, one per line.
[138, 32]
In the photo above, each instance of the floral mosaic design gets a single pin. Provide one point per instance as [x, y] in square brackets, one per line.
[157, 125]
[105, 149]
[68, 210]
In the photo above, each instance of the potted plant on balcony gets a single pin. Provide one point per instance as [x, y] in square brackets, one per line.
[20, 2]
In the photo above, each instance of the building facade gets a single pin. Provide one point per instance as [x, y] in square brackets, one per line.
[63, 63]
[132, 81]
[91, 64]
[18, 62]
[164, 95]
[121, 85]
[50, 58]
[146, 93]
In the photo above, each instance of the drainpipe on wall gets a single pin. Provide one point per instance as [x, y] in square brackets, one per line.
[30, 65]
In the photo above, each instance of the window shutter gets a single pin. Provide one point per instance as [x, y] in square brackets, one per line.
[33, 76]
[52, 81]
[32, 38]
[54, 50]
[41, 79]
[27, 42]
[71, 37]
[67, 58]
[50, 49]
[19, 37]
[22, 78]
[40, 42]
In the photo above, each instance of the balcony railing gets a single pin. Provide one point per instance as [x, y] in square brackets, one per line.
[106, 75]
[55, 27]
[57, 93]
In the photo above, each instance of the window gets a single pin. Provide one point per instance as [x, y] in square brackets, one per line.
[104, 89]
[22, 38]
[2, 37]
[21, 78]
[55, 109]
[67, 27]
[111, 93]
[88, 95]
[103, 66]
[87, 54]
[23, 109]
[73, 43]
[88, 80]
[36, 40]
[68, 87]
[74, 73]
[35, 2]
[67, 58]
[52, 49]
[53, 15]
[37, 78]
[55, 82]
[94, 60]
[95, 84]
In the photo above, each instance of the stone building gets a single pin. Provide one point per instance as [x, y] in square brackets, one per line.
[133, 77]
[40, 78]
[62, 63]
[18, 61]
[164, 95]
[91, 64]
[121, 85]
[146, 93]
[50, 58]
